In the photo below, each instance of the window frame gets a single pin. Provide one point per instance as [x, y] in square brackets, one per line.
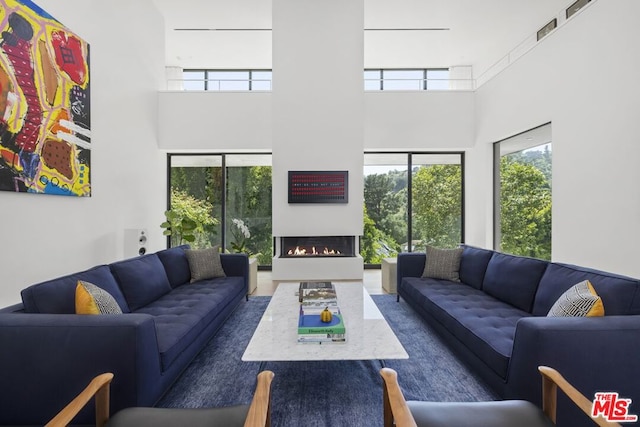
[410, 155]
[224, 222]
[497, 202]
[424, 84]
[250, 78]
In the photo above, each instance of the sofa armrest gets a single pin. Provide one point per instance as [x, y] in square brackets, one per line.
[236, 265]
[410, 264]
[15, 308]
[594, 354]
[47, 358]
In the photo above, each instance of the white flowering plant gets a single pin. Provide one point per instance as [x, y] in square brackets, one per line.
[241, 233]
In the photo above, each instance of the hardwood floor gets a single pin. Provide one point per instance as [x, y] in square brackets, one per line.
[372, 280]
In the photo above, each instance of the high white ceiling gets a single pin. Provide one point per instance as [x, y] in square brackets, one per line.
[481, 32]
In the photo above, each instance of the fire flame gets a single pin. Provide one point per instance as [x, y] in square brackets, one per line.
[298, 251]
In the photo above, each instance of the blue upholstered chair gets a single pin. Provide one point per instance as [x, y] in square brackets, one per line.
[505, 413]
[257, 414]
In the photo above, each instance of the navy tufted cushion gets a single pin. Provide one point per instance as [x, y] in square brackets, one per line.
[484, 324]
[58, 296]
[181, 315]
[620, 295]
[176, 265]
[473, 265]
[514, 279]
[141, 279]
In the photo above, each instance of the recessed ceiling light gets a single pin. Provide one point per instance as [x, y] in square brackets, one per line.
[222, 29]
[269, 29]
[407, 29]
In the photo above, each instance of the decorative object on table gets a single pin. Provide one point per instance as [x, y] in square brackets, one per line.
[311, 328]
[313, 285]
[326, 315]
[45, 143]
[320, 319]
[317, 296]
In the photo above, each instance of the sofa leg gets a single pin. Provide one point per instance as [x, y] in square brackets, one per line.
[397, 297]
[247, 297]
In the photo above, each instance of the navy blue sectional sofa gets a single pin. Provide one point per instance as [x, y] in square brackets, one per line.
[48, 353]
[496, 320]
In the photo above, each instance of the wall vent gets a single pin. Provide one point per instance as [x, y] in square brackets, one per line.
[542, 32]
[571, 10]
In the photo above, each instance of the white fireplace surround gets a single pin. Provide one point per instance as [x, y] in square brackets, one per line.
[317, 130]
[317, 268]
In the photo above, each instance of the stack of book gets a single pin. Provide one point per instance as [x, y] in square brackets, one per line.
[314, 298]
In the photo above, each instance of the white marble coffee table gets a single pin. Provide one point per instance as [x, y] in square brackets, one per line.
[369, 336]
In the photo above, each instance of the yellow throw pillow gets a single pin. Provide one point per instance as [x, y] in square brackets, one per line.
[580, 300]
[91, 299]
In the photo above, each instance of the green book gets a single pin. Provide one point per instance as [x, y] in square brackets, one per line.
[322, 338]
[311, 324]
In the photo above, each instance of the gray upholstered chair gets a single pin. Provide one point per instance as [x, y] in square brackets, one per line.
[505, 413]
[257, 414]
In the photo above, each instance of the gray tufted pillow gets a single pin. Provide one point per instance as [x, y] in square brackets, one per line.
[205, 263]
[443, 264]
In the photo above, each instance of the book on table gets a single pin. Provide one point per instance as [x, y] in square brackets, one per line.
[316, 296]
[316, 290]
[312, 329]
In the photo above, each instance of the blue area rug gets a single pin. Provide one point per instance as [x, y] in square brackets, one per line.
[341, 393]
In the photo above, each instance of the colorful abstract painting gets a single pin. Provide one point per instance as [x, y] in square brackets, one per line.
[45, 127]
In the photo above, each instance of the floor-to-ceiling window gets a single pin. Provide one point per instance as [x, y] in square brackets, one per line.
[385, 206]
[195, 197]
[436, 201]
[407, 211]
[228, 197]
[248, 205]
[522, 194]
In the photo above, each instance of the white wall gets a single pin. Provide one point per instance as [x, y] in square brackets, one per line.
[584, 80]
[318, 116]
[221, 121]
[47, 236]
[419, 120]
[317, 110]
[228, 121]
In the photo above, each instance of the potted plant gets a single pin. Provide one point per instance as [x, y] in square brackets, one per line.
[180, 228]
[189, 220]
[241, 233]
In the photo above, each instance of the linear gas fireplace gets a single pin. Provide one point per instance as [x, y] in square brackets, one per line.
[317, 246]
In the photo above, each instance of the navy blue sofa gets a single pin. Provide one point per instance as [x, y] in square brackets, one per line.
[48, 353]
[495, 321]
